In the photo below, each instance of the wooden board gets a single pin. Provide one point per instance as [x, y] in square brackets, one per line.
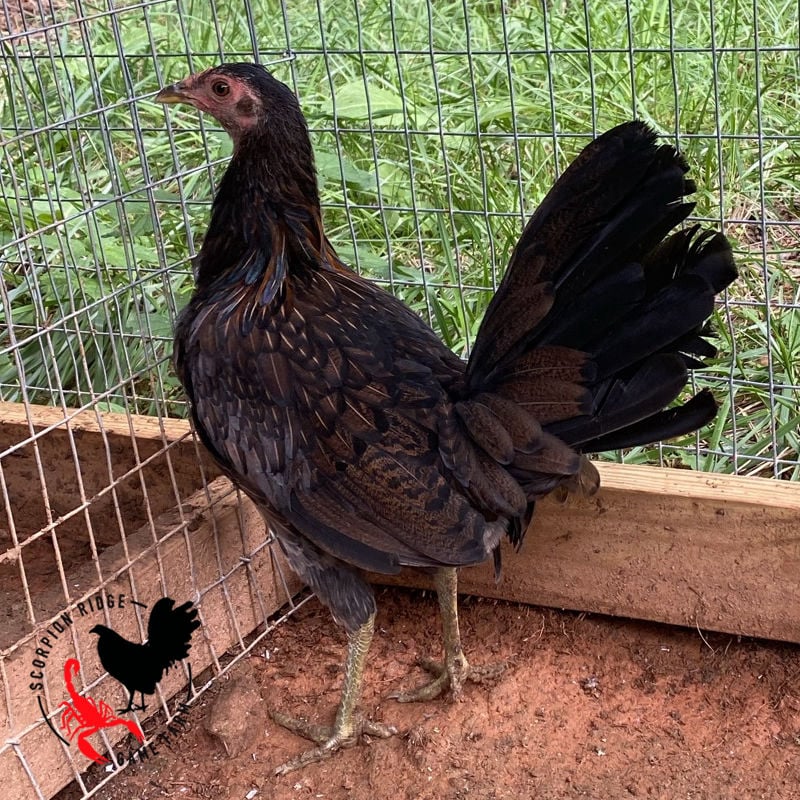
[42, 419]
[716, 552]
[211, 549]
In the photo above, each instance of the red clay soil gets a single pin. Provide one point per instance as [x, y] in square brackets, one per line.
[587, 707]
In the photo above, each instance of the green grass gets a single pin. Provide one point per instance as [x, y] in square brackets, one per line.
[434, 138]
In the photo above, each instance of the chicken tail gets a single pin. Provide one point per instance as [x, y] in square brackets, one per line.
[169, 631]
[602, 313]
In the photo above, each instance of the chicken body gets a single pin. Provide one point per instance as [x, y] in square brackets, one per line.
[342, 402]
[364, 441]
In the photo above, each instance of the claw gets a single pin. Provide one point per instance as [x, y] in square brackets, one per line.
[349, 726]
[328, 738]
[455, 671]
[450, 675]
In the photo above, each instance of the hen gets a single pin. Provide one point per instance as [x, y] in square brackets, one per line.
[365, 442]
[139, 667]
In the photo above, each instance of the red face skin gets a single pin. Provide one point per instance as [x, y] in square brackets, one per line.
[230, 101]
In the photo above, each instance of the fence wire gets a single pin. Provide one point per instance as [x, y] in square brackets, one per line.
[437, 127]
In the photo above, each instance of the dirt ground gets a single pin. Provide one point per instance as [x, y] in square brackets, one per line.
[587, 707]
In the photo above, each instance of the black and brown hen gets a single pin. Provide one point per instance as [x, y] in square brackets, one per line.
[364, 441]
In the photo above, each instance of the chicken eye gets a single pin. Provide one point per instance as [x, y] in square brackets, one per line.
[220, 88]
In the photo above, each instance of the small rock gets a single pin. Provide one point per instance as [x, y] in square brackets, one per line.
[237, 715]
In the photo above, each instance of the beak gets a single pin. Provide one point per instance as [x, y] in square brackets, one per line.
[175, 93]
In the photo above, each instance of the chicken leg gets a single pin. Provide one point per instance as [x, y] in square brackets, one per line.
[455, 670]
[348, 726]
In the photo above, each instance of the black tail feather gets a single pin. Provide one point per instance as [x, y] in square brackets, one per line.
[667, 424]
[597, 271]
[626, 399]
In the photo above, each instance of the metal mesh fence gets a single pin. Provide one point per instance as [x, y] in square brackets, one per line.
[437, 128]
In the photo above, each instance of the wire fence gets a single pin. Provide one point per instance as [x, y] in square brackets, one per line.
[437, 128]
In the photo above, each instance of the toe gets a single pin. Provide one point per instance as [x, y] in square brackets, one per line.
[377, 729]
[451, 676]
[302, 727]
[312, 756]
[427, 691]
[329, 739]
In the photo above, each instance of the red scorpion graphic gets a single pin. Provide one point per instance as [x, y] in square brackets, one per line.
[88, 716]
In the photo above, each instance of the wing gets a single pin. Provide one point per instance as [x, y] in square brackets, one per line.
[337, 411]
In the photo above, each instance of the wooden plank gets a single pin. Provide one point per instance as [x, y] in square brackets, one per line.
[225, 539]
[716, 552]
[89, 489]
[699, 485]
[676, 546]
[114, 424]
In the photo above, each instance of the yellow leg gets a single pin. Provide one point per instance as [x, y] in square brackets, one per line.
[348, 726]
[455, 670]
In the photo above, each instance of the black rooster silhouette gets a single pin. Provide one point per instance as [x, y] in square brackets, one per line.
[139, 667]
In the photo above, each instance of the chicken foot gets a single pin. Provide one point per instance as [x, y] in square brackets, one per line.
[349, 726]
[131, 707]
[455, 671]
